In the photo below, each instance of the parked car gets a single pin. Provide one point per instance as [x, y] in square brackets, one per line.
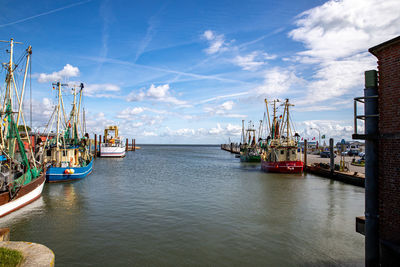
[326, 154]
[361, 154]
[353, 152]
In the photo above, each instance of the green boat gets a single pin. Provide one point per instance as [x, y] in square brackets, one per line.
[249, 150]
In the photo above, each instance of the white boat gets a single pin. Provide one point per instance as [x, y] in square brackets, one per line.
[113, 145]
[21, 176]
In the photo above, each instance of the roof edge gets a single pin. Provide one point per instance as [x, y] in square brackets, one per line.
[374, 50]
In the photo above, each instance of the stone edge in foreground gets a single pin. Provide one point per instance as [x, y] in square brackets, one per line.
[34, 254]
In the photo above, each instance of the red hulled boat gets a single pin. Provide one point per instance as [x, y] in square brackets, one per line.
[280, 150]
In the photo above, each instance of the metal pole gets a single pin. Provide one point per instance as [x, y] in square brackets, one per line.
[134, 144]
[332, 156]
[99, 145]
[371, 170]
[305, 153]
[127, 144]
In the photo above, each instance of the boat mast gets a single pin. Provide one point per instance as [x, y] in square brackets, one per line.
[74, 114]
[259, 130]
[274, 121]
[29, 51]
[269, 123]
[243, 138]
[58, 115]
[79, 109]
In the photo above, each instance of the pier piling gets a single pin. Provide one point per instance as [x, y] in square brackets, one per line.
[134, 144]
[127, 145]
[95, 145]
[99, 143]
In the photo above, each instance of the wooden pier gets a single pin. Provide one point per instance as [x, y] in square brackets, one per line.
[233, 148]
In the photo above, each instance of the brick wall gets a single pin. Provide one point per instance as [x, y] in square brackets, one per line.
[389, 145]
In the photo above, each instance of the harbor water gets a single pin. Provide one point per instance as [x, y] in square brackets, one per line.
[193, 206]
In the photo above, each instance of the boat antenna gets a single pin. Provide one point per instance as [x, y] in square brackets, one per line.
[30, 92]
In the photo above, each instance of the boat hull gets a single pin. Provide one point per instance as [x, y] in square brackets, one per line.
[57, 174]
[112, 151]
[247, 158]
[283, 166]
[27, 194]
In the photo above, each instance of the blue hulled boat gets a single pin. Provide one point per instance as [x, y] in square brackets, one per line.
[60, 174]
[67, 154]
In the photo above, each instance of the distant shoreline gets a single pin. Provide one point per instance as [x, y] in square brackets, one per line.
[178, 145]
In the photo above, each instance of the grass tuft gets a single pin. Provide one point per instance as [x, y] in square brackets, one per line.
[10, 257]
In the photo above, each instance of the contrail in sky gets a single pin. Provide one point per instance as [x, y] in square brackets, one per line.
[45, 13]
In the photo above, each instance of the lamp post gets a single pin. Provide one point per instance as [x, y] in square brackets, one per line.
[319, 135]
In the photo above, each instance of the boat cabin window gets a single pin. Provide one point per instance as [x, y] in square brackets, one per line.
[48, 153]
[65, 153]
[293, 152]
[282, 152]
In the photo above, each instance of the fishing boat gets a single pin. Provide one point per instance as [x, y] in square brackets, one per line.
[113, 145]
[21, 177]
[280, 149]
[249, 150]
[67, 154]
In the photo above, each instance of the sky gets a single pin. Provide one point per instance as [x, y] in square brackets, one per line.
[189, 72]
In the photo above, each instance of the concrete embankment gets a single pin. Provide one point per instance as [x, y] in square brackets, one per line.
[233, 148]
[34, 254]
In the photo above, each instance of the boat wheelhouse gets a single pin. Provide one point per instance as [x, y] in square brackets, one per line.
[113, 145]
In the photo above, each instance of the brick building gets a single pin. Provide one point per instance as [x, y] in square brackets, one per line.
[388, 54]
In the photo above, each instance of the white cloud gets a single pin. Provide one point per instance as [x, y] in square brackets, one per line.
[342, 28]
[216, 42]
[277, 82]
[41, 113]
[159, 93]
[137, 124]
[330, 128]
[223, 96]
[130, 113]
[222, 110]
[102, 90]
[253, 61]
[228, 130]
[145, 133]
[96, 122]
[228, 105]
[67, 72]
[337, 36]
